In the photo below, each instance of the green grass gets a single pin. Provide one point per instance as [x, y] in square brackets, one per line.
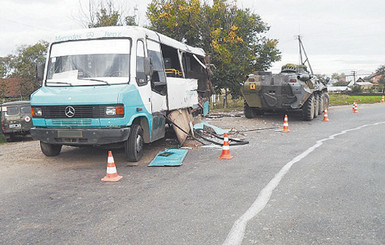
[335, 100]
[343, 99]
[232, 105]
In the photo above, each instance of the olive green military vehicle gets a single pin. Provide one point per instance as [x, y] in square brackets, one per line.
[15, 119]
[293, 89]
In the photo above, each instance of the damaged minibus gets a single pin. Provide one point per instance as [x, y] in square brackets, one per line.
[114, 86]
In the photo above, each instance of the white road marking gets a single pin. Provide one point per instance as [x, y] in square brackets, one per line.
[237, 232]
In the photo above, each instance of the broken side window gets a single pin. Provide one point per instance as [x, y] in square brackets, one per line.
[171, 61]
[194, 67]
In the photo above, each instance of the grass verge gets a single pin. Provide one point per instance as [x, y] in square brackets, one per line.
[343, 99]
[335, 100]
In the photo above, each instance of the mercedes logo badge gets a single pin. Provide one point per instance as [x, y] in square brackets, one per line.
[69, 111]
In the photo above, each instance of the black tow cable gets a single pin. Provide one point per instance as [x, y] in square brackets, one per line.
[231, 140]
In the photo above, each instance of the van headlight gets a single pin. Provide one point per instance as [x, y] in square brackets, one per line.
[117, 111]
[37, 112]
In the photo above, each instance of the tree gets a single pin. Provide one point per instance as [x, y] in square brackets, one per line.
[23, 66]
[338, 77]
[105, 13]
[234, 38]
[380, 70]
[106, 16]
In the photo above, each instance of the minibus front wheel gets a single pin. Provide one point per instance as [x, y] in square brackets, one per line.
[133, 147]
[50, 150]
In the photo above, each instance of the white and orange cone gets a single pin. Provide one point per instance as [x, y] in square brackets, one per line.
[383, 99]
[285, 125]
[326, 117]
[112, 174]
[226, 148]
[355, 107]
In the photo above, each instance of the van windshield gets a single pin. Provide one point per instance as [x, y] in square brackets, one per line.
[89, 62]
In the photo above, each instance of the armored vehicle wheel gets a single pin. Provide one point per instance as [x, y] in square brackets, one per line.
[320, 104]
[308, 109]
[50, 150]
[248, 111]
[316, 105]
[325, 99]
[133, 147]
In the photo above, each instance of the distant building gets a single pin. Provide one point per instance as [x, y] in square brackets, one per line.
[363, 84]
[338, 88]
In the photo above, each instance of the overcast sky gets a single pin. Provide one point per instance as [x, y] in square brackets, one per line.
[339, 35]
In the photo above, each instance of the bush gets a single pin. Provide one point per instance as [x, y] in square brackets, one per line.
[357, 89]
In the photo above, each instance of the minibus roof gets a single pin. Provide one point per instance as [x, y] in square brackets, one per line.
[125, 31]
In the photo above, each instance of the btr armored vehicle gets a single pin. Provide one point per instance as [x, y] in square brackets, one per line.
[293, 89]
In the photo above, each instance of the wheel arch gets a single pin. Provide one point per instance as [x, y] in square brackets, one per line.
[142, 121]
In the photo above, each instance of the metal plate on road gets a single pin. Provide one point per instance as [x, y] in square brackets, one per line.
[70, 134]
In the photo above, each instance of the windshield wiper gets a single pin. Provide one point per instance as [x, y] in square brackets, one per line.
[94, 80]
[61, 83]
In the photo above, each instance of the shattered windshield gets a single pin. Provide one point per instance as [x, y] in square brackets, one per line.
[89, 62]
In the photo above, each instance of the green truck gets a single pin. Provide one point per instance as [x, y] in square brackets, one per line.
[15, 119]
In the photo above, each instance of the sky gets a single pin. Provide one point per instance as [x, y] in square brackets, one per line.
[338, 35]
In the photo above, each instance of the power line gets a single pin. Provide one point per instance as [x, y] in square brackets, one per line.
[24, 24]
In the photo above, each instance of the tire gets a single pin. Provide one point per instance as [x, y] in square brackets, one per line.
[133, 147]
[326, 100]
[50, 150]
[258, 111]
[321, 104]
[8, 137]
[316, 105]
[308, 109]
[248, 111]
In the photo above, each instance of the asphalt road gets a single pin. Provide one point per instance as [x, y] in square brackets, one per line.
[322, 183]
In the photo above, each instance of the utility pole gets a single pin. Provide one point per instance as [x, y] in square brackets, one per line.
[354, 77]
[302, 48]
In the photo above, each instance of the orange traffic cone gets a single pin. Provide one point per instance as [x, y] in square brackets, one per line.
[355, 107]
[226, 149]
[383, 99]
[112, 174]
[326, 117]
[285, 125]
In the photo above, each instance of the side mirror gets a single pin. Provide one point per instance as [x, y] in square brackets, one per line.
[39, 71]
[327, 80]
[147, 66]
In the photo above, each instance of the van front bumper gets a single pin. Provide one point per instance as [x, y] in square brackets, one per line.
[97, 136]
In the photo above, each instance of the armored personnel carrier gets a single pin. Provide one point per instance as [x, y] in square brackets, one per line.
[293, 89]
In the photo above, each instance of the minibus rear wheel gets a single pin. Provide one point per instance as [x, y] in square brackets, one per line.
[50, 150]
[133, 147]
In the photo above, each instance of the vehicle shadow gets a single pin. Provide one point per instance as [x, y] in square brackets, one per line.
[85, 155]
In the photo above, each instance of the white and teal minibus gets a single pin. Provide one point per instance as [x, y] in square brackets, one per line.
[114, 86]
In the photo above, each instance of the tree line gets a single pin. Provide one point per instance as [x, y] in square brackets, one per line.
[234, 39]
